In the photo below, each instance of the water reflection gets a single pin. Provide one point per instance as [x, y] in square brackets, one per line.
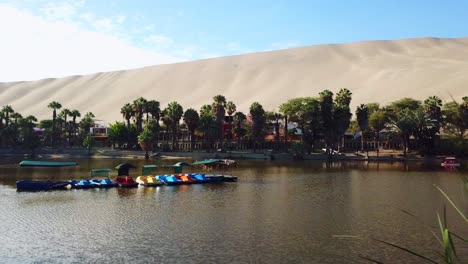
[281, 211]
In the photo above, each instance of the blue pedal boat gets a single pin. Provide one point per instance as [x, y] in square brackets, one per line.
[85, 184]
[104, 183]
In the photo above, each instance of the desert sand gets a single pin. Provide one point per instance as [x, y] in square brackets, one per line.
[374, 71]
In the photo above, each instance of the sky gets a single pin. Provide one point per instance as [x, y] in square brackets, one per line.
[49, 39]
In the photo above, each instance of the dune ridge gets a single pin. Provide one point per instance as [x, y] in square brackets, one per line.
[374, 71]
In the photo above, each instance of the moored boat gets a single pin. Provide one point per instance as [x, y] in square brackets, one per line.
[85, 184]
[169, 180]
[450, 162]
[148, 181]
[35, 186]
[104, 183]
[40, 163]
[125, 181]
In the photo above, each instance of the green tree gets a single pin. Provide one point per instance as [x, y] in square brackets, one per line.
[154, 109]
[239, 118]
[341, 114]
[455, 121]
[54, 105]
[206, 110]
[230, 110]
[274, 119]
[86, 123]
[145, 139]
[362, 116]
[192, 119]
[29, 138]
[219, 111]
[7, 110]
[89, 142]
[174, 112]
[74, 114]
[16, 116]
[208, 129]
[326, 117]
[403, 126]
[118, 133]
[139, 106]
[433, 111]
[378, 121]
[258, 123]
[306, 112]
[127, 113]
[66, 130]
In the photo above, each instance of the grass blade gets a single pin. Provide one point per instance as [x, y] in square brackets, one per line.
[450, 201]
[407, 250]
[371, 260]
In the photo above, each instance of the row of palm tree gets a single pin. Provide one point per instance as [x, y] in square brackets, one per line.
[409, 118]
[16, 130]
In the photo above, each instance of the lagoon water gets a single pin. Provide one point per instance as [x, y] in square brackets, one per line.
[278, 212]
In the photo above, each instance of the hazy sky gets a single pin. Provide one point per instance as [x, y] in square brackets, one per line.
[41, 39]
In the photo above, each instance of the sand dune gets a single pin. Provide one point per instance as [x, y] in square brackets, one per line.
[374, 71]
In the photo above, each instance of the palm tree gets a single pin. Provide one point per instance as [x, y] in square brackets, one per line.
[192, 119]
[174, 112]
[139, 106]
[54, 105]
[127, 113]
[230, 109]
[153, 109]
[74, 114]
[205, 110]
[7, 110]
[145, 139]
[258, 122]
[65, 113]
[403, 126]
[433, 109]
[362, 116]
[378, 120]
[274, 119]
[219, 111]
[2, 116]
[239, 118]
[16, 116]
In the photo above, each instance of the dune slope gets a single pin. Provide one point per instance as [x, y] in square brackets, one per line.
[374, 71]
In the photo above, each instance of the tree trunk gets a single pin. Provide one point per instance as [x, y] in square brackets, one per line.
[286, 133]
[238, 134]
[378, 139]
[192, 139]
[362, 140]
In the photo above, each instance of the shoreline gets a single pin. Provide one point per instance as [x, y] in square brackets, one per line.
[108, 153]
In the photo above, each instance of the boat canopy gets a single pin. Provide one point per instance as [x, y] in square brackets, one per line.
[146, 170]
[208, 161]
[100, 172]
[122, 169]
[38, 163]
[215, 162]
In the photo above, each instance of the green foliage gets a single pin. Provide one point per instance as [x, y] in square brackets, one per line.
[153, 108]
[29, 139]
[145, 140]
[258, 121]
[455, 119]
[173, 113]
[89, 142]
[206, 110]
[139, 105]
[118, 133]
